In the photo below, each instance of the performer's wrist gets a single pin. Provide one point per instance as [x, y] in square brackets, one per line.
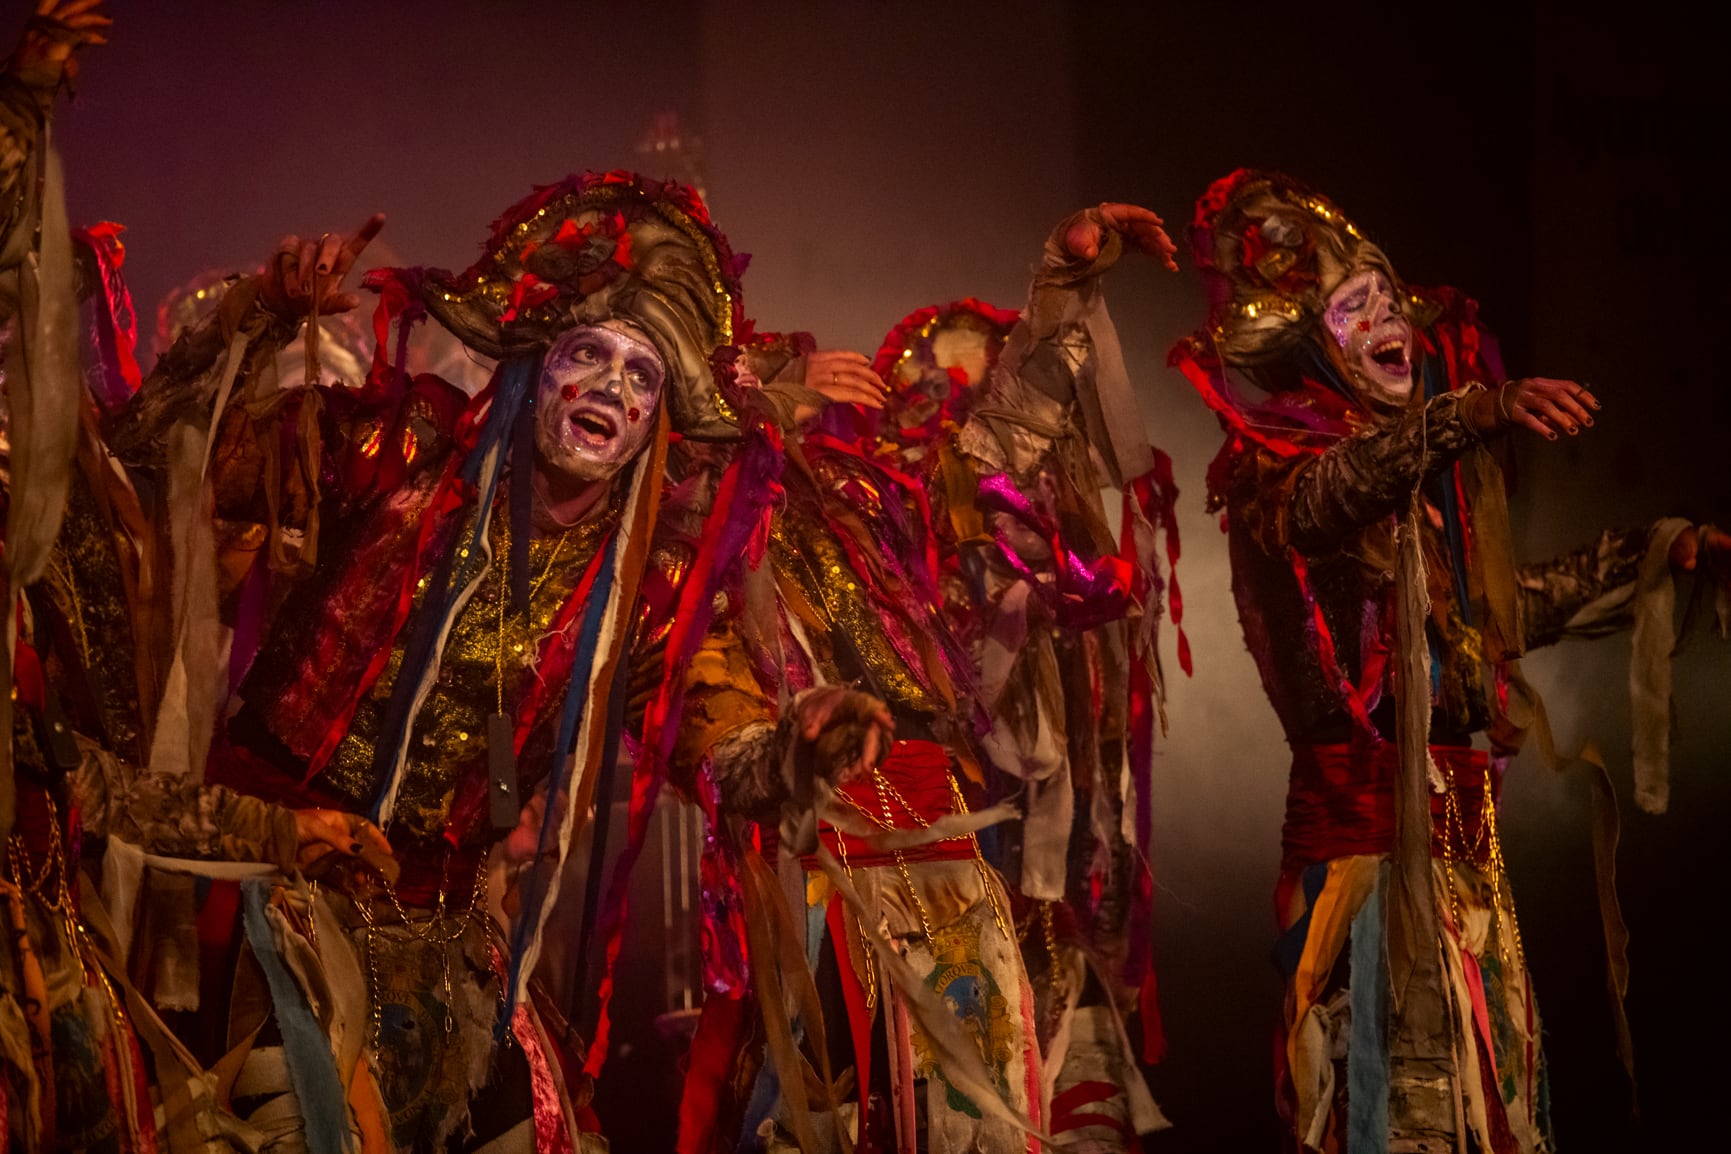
[1485, 410]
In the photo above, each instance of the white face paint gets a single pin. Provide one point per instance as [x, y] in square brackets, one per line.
[596, 404]
[1375, 340]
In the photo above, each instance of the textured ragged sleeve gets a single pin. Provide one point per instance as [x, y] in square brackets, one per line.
[24, 109]
[1060, 379]
[177, 816]
[1621, 580]
[729, 720]
[1586, 592]
[185, 379]
[1318, 504]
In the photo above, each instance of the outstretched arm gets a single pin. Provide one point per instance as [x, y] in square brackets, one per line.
[1361, 480]
[1590, 591]
[832, 732]
[1327, 499]
[182, 817]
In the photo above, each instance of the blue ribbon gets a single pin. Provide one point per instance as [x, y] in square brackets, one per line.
[1367, 1044]
[311, 1066]
[570, 714]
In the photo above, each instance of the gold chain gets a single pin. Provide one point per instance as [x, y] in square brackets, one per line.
[871, 969]
[49, 886]
[886, 792]
[534, 590]
[887, 822]
[54, 868]
[1499, 879]
[1451, 822]
[1454, 828]
[442, 937]
[986, 878]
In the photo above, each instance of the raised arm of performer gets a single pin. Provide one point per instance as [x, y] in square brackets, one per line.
[303, 278]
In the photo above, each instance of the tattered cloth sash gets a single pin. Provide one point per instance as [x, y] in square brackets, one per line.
[44, 392]
[918, 774]
[913, 794]
[1341, 800]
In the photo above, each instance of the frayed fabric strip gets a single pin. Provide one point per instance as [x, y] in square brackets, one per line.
[1655, 637]
[312, 1069]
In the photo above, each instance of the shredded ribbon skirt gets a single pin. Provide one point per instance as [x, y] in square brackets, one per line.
[1334, 1063]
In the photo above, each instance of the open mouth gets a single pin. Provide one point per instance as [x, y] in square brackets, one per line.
[1390, 355]
[593, 428]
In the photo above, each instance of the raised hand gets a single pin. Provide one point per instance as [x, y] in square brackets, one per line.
[1545, 406]
[58, 29]
[1139, 227]
[302, 274]
[840, 378]
[845, 377]
[847, 733]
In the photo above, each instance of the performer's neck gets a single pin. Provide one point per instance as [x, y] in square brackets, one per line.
[561, 502]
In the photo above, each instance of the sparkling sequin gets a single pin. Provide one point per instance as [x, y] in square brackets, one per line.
[464, 691]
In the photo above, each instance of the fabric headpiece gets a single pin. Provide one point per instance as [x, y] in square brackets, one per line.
[1271, 250]
[598, 247]
[933, 360]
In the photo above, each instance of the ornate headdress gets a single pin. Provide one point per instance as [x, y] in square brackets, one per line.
[598, 247]
[933, 360]
[1271, 249]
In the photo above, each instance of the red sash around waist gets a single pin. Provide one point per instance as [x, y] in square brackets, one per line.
[1340, 802]
[917, 774]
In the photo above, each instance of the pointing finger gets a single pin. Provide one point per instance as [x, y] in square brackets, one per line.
[362, 238]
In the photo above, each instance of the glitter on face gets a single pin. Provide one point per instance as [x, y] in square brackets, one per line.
[596, 382]
[1375, 341]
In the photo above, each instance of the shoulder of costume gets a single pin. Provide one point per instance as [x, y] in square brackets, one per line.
[1448, 320]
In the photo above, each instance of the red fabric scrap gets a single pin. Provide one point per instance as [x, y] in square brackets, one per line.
[1340, 800]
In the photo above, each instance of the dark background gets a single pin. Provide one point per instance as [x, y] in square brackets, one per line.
[1561, 164]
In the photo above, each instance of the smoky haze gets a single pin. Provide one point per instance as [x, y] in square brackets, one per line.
[879, 157]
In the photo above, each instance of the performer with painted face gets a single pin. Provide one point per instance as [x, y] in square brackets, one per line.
[1371, 566]
[456, 623]
[1061, 661]
[915, 1011]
